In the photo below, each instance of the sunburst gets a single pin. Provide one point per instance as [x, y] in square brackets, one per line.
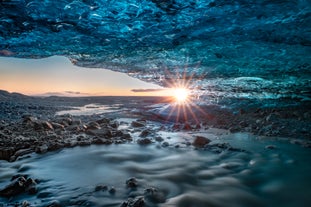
[183, 105]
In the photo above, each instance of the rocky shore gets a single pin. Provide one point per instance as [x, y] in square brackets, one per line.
[29, 124]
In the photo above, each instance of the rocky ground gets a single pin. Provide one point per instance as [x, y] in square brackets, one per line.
[29, 124]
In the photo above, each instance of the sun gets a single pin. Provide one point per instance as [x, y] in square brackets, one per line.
[181, 95]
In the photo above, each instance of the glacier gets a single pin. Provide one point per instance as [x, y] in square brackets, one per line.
[237, 49]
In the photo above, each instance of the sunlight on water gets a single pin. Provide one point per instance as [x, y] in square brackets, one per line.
[90, 109]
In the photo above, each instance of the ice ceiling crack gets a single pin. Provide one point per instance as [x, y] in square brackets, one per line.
[235, 48]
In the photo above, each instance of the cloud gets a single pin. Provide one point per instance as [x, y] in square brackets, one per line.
[73, 92]
[146, 90]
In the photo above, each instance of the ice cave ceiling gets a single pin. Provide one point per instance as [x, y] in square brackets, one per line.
[249, 48]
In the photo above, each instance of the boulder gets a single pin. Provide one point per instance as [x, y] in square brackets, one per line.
[134, 202]
[145, 133]
[131, 183]
[138, 123]
[18, 186]
[144, 141]
[200, 141]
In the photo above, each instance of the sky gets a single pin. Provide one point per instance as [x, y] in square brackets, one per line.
[56, 75]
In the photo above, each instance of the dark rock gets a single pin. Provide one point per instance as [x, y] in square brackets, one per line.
[57, 126]
[159, 139]
[102, 133]
[131, 183]
[145, 133]
[101, 188]
[165, 144]
[154, 195]
[103, 121]
[93, 126]
[200, 141]
[138, 123]
[112, 190]
[54, 204]
[136, 202]
[114, 124]
[18, 186]
[270, 147]
[144, 141]
[187, 127]
[6, 153]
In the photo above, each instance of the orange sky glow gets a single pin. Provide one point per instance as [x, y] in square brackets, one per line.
[56, 75]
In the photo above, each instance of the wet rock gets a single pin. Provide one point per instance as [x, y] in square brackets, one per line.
[136, 202]
[41, 149]
[131, 183]
[101, 187]
[102, 133]
[200, 141]
[112, 190]
[165, 144]
[6, 153]
[144, 141]
[145, 133]
[138, 123]
[114, 124]
[28, 118]
[54, 204]
[154, 195]
[270, 147]
[57, 126]
[18, 186]
[159, 139]
[123, 135]
[42, 125]
[93, 126]
[103, 121]
[187, 127]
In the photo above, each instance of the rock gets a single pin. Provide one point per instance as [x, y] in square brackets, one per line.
[136, 202]
[6, 153]
[112, 190]
[42, 125]
[131, 183]
[200, 141]
[101, 188]
[159, 139]
[54, 204]
[165, 144]
[144, 141]
[187, 127]
[29, 119]
[270, 147]
[103, 121]
[57, 126]
[92, 126]
[154, 195]
[114, 124]
[145, 133]
[124, 135]
[18, 186]
[138, 123]
[102, 133]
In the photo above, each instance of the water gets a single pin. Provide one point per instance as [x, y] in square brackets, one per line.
[90, 109]
[183, 176]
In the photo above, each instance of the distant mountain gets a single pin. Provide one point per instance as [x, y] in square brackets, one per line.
[4, 95]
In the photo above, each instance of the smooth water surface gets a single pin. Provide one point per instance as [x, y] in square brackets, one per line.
[183, 176]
